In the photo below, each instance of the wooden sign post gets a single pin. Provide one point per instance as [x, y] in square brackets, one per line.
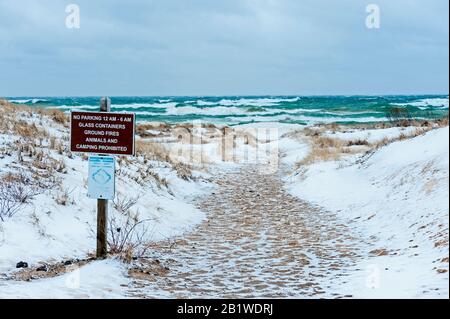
[103, 133]
[102, 204]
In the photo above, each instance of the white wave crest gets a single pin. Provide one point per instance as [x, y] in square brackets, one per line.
[75, 107]
[168, 105]
[225, 111]
[248, 102]
[257, 102]
[427, 103]
[205, 103]
[32, 101]
[307, 119]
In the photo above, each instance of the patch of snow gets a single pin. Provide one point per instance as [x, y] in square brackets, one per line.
[98, 279]
[292, 151]
[371, 135]
[398, 198]
[45, 231]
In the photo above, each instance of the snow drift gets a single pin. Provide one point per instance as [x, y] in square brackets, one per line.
[397, 198]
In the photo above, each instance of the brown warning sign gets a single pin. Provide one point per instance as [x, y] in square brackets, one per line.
[102, 132]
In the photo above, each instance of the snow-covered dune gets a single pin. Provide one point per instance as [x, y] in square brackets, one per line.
[398, 199]
[59, 221]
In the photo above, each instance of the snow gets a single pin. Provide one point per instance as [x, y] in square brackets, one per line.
[394, 198]
[398, 198]
[371, 135]
[292, 151]
[64, 231]
[45, 231]
[282, 128]
[98, 279]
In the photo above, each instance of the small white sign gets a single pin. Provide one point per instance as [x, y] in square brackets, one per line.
[101, 180]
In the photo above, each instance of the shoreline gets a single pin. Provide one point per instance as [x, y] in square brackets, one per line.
[252, 111]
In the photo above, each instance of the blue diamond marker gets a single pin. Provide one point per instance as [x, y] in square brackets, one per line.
[101, 176]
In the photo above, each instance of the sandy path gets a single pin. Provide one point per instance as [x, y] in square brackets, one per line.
[258, 241]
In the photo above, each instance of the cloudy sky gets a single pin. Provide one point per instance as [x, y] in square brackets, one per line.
[223, 47]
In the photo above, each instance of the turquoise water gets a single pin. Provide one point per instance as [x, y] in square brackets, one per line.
[235, 110]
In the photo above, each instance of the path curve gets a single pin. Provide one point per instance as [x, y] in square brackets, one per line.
[258, 241]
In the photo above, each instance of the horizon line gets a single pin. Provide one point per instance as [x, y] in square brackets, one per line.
[228, 95]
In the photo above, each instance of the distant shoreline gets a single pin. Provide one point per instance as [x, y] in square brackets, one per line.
[247, 110]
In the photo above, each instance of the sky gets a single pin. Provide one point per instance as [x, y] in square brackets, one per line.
[223, 47]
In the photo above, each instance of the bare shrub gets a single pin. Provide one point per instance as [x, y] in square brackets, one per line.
[36, 221]
[45, 162]
[152, 151]
[160, 181]
[52, 142]
[403, 136]
[385, 141]
[143, 128]
[128, 238]
[443, 122]
[63, 197]
[13, 194]
[157, 152]
[400, 116]
[321, 154]
[325, 148]
[61, 166]
[124, 204]
[326, 142]
[8, 205]
[184, 171]
[358, 142]
[57, 115]
[309, 131]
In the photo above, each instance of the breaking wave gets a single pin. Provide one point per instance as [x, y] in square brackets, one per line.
[28, 101]
[424, 104]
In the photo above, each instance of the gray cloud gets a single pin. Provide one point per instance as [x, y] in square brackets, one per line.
[204, 47]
